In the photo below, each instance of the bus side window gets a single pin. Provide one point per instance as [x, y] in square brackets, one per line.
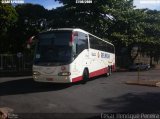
[82, 42]
[93, 42]
[110, 48]
[75, 46]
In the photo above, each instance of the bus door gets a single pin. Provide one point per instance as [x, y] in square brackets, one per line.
[80, 50]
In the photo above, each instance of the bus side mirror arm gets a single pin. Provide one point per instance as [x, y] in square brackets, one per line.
[74, 55]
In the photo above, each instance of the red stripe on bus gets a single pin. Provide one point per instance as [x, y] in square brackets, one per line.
[98, 72]
[92, 74]
[77, 79]
[113, 67]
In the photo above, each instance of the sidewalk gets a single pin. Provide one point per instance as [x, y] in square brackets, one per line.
[148, 78]
[157, 67]
[154, 83]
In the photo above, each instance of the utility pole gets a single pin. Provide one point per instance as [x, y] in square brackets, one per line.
[138, 75]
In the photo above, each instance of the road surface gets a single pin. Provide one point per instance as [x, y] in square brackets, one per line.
[102, 94]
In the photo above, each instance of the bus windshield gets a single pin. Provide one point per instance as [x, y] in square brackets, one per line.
[53, 48]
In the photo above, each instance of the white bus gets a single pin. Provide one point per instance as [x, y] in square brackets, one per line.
[69, 55]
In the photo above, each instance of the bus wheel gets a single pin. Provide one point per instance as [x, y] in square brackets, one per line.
[109, 71]
[85, 76]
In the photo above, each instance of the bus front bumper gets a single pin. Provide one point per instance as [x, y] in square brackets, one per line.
[52, 78]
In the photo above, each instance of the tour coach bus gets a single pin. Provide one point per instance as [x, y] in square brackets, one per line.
[70, 55]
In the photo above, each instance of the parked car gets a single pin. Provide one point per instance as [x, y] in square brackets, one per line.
[139, 66]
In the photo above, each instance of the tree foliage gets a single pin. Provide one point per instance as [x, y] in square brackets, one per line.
[8, 18]
[31, 21]
[114, 20]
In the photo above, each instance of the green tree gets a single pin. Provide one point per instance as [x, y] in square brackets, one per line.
[32, 19]
[91, 17]
[152, 33]
[8, 18]
[129, 27]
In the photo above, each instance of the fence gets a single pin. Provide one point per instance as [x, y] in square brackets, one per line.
[15, 62]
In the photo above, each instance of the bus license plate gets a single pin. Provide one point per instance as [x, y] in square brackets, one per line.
[49, 79]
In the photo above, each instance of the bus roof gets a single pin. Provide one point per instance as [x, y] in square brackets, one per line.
[67, 29]
[75, 29]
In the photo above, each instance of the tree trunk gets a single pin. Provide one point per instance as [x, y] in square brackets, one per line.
[151, 58]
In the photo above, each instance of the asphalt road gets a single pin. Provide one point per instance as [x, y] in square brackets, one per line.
[102, 94]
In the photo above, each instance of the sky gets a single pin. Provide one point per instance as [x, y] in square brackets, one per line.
[150, 4]
[49, 4]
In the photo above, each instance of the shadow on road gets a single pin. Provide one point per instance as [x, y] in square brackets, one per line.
[23, 86]
[133, 103]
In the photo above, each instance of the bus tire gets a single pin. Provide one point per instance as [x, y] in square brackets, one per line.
[109, 71]
[85, 76]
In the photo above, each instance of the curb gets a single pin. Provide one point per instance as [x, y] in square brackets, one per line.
[152, 83]
[121, 70]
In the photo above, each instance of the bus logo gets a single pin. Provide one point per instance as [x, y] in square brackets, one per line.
[98, 54]
[49, 70]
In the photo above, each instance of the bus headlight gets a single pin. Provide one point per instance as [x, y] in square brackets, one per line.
[64, 73]
[36, 73]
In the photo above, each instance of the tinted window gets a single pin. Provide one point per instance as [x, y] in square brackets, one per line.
[55, 38]
[80, 42]
[98, 44]
[93, 42]
[53, 48]
[110, 48]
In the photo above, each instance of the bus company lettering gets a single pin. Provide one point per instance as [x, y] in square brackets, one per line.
[49, 70]
[105, 55]
[93, 54]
